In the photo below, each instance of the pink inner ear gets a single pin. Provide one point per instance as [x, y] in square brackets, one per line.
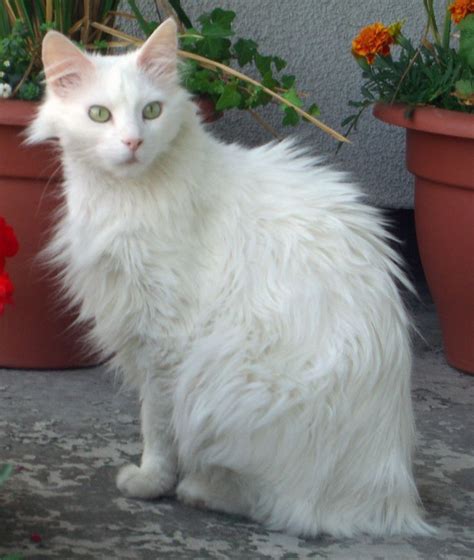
[158, 56]
[65, 83]
[66, 67]
[158, 62]
[65, 77]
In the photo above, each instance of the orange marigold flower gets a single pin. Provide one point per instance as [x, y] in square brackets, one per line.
[373, 40]
[460, 9]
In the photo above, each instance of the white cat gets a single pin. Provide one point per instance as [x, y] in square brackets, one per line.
[249, 294]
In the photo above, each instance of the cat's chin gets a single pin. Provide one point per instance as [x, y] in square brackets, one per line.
[128, 169]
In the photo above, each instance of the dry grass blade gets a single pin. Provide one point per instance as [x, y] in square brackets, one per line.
[75, 27]
[263, 123]
[49, 10]
[86, 20]
[116, 33]
[10, 12]
[110, 44]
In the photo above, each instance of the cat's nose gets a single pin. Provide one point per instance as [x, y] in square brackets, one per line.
[133, 143]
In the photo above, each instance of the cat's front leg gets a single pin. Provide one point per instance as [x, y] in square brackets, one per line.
[157, 473]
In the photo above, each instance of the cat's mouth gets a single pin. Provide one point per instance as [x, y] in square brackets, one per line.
[131, 160]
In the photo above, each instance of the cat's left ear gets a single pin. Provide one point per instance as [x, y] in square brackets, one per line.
[65, 66]
[158, 56]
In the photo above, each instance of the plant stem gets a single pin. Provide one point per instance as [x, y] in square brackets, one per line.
[447, 30]
[432, 24]
[264, 124]
[405, 73]
[182, 16]
[25, 75]
[138, 15]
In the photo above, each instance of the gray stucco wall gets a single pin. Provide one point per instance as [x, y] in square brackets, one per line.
[314, 36]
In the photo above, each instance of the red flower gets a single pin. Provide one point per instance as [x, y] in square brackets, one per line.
[8, 242]
[6, 290]
[36, 538]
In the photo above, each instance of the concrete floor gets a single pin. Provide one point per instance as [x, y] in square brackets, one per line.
[67, 432]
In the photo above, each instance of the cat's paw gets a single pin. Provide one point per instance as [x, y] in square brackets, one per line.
[221, 492]
[137, 482]
[193, 492]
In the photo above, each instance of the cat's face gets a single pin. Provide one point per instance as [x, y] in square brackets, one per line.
[116, 113]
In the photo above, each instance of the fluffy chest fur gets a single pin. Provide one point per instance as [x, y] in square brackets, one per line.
[132, 269]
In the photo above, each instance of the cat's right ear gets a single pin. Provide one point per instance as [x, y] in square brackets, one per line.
[65, 66]
[158, 56]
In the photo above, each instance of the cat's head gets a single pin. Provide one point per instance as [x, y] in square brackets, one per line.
[114, 113]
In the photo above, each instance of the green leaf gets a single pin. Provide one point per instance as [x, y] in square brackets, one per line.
[268, 80]
[229, 99]
[224, 17]
[189, 40]
[245, 50]
[214, 48]
[465, 88]
[101, 45]
[216, 31]
[263, 64]
[29, 91]
[292, 96]
[218, 19]
[287, 81]
[279, 63]
[314, 110]
[291, 117]
[466, 41]
[257, 97]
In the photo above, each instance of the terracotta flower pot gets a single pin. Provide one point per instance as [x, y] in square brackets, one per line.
[207, 109]
[440, 153]
[36, 332]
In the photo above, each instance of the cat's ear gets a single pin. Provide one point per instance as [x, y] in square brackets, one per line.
[158, 56]
[66, 67]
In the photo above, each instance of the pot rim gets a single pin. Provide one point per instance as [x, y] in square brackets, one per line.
[16, 112]
[427, 119]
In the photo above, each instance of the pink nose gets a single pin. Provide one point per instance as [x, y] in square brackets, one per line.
[133, 143]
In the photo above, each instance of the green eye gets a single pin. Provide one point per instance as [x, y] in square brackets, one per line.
[99, 114]
[152, 110]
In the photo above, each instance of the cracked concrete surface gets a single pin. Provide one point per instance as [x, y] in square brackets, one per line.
[67, 432]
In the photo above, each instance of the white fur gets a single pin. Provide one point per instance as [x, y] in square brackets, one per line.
[252, 298]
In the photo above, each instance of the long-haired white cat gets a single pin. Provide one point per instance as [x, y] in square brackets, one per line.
[249, 294]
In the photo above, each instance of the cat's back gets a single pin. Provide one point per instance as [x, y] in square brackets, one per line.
[283, 196]
[296, 235]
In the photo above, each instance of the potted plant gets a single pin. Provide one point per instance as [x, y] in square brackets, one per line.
[429, 90]
[38, 335]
